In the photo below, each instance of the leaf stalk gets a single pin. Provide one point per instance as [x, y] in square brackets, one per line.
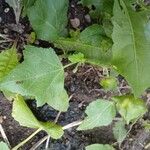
[27, 139]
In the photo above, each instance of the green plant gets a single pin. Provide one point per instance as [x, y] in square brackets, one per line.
[3, 146]
[119, 41]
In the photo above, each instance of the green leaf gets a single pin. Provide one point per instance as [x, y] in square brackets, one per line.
[131, 49]
[146, 125]
[74, 33]
[8, 61]
[107, 25]
[25, 117]
[99, 147]
[3, 146]
[31, 38]
[129, 107]
[77, 58]
[99, 113]
[54, 130]
[119, 131]
[9, 95]
[109, 83]
[92, 42]
[41, 75]
[26, 5]
[49, 18]
[23, 114]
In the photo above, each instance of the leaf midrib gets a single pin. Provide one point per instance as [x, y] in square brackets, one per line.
[43, 21]
[37, 77]
[79, 43]
[133, 39]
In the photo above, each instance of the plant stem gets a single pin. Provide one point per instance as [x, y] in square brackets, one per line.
[131, 126]
[4, 136]
[147, 146]
[27, 139]
[73, 124]
[48, 139]
[68, 65]
[36, 145]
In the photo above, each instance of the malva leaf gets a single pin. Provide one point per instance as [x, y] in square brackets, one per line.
[9, 95]
[99, 113]
[74, 34]
[8, 61]
[119, 131]
[129, 107]
[107, 25]
[92, 42]
[23, 114]
[31, 38]
[3, 146]
[77, 58]
[131, 49]
[25, 117]
[26, 5]
[99, 147]
[109, 83]
[49, 18]
[41, 75]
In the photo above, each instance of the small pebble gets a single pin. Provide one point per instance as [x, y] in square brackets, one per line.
[130, 139]
[5, 30]
[6, 10]
[87, 18]
[10, 127]
[148, 95]
[66, 74]
[37, 42]
[1, 119]
[75, 22]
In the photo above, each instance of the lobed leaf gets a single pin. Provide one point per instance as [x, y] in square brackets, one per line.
[49, 18]
[129, 107]
[41, 75]
[99, 113]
